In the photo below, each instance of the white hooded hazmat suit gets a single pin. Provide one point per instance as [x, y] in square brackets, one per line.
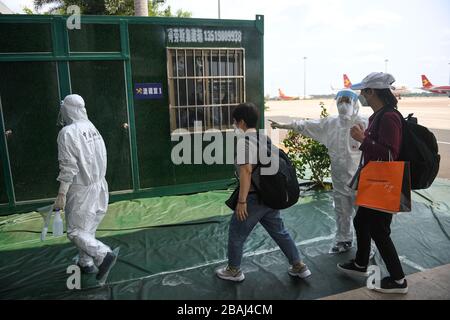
[82, 163]
[334, 133]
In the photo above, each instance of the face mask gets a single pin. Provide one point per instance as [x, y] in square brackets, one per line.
[345, 109]
[237, 131]
[363, 101]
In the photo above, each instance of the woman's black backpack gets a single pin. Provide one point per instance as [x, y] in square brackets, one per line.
[420, 148]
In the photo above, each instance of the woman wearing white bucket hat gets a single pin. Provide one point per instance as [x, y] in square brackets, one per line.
[381, 141]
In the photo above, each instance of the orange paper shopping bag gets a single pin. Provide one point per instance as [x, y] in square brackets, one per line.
[385, 186]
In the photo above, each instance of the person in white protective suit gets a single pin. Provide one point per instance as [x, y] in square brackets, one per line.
[334, 133]
[83, 191]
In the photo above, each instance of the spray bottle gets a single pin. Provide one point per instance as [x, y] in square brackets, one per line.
[58, 228]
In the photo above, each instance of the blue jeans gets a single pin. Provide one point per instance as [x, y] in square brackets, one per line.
[270, 220]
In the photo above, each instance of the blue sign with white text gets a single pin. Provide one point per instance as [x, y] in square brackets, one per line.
[147, 91]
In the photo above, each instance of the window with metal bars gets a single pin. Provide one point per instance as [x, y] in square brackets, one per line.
[205, 85]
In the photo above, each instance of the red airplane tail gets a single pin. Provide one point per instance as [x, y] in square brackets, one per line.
[347, 82]
[425, 82]
[281, 93]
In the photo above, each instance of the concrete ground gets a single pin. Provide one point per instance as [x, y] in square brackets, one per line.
[432, 284]
[432, 112]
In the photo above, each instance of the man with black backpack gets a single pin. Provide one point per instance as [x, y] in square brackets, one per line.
[254, 202]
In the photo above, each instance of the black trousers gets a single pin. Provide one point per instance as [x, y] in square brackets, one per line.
[376, 225]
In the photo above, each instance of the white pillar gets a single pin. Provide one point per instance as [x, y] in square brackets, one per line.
[449, 73]
[304, 77]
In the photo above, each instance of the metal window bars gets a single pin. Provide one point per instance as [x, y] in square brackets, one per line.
[205, 84]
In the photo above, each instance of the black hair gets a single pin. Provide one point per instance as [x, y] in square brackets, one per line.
[248, 112]
[387, 97]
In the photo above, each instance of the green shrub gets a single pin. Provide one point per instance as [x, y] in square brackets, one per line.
[305, 152]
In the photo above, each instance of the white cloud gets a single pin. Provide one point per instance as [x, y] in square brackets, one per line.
[326, 13]
[235, 9]
[445, 43]
[17, 5]
[433, 59]
[376, 19]
[368, 47]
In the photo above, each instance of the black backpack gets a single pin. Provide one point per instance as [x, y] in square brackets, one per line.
[420, 148]
[280, 190]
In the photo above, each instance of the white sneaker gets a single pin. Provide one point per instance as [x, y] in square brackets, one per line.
[301, 271]
[230, 273]
[341, 247]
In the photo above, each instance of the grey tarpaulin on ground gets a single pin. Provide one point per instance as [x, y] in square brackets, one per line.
[177, 259]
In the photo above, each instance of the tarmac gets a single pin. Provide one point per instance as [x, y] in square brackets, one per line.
[432, 112]
[433, 284]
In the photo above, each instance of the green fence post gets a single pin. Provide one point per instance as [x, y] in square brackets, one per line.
[61, 50]
[8, 182]
[125, 47]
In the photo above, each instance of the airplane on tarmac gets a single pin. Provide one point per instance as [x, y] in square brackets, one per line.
[428, 86]
[347, 85]
[282, 96]
[347, 82]
[399, 90]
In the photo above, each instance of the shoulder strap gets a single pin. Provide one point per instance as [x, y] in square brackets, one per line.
[379, 117]
[257, 150]
[269, 144]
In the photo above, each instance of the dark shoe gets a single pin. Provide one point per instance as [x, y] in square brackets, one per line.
[351, 269]
[88, 269]
[388, 285]
[106, 266]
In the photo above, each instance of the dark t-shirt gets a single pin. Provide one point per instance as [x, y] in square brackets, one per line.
[388, 137]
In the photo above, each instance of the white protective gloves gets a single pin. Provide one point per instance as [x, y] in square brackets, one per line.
[276, 125]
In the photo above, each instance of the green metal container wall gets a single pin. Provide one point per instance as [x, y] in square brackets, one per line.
[152, 116]
[29, 92]
[28, 37]
[106, 104]
[41, 61]
[3, 194]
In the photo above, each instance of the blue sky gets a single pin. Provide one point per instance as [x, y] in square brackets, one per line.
[339, 36]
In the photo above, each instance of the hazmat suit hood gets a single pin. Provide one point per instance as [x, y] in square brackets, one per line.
[347, 110]
[72, 109]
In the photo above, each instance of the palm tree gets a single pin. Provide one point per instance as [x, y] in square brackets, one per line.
[140, 7]
[111, 7]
